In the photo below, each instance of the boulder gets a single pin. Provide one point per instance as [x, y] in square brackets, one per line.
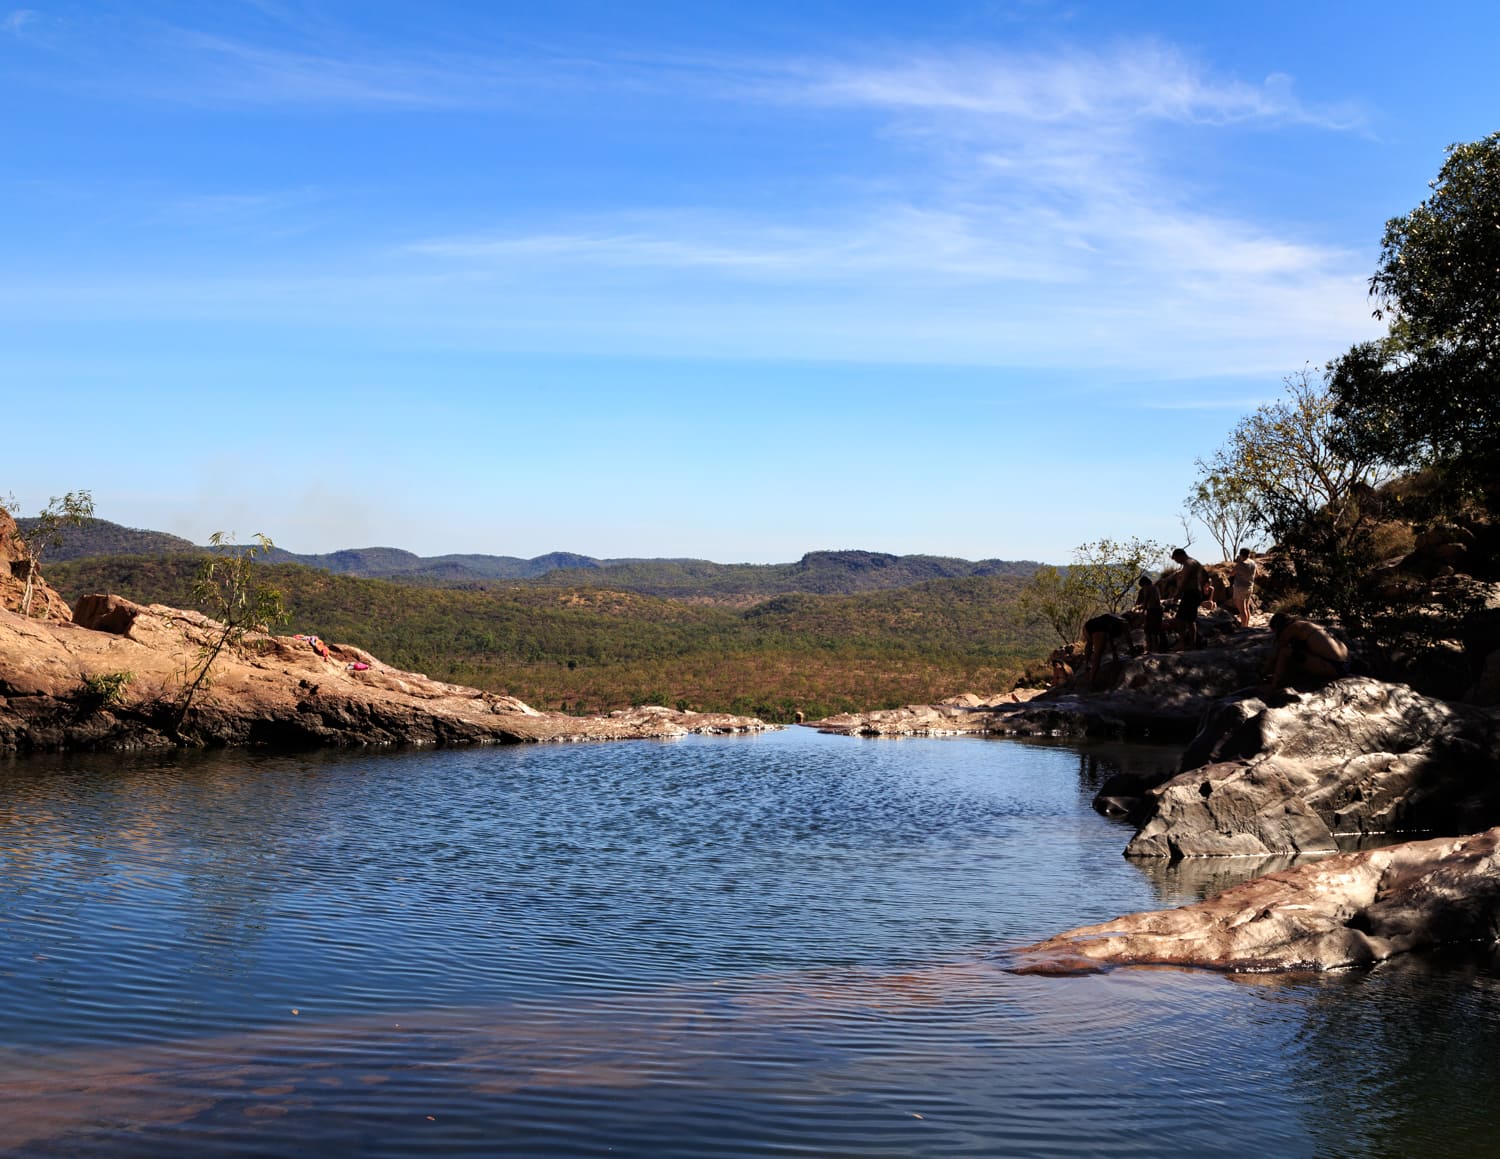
[1296, 773]
[106, 613]
[1348, 910]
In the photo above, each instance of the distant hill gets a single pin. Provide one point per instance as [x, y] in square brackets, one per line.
[591, 648]
[100, 537]
[816, 573]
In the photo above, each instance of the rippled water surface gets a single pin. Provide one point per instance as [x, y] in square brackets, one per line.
[789, 944]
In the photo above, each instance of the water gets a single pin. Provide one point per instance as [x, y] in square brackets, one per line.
[780, 945]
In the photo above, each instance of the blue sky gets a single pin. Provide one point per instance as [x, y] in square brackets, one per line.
[731, 281]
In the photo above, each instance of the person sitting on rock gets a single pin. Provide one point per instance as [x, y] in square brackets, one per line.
[1148, 601]
[1241, 584]
[1108, 629]
[1191, 580]
[1304, 655]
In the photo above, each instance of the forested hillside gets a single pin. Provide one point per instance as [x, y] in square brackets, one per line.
[826, 572]
[596, 649]
[101, 537]
[817, 572]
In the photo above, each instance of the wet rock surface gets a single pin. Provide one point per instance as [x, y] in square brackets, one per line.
[1292, 773]
[1347, 910]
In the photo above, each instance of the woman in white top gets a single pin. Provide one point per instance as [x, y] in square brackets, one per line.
[1241, 584]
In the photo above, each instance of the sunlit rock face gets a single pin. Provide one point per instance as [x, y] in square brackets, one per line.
[280, 691]
[1347, 910]
[1357, 757]
[45, 603]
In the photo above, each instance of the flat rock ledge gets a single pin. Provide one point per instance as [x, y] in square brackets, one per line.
[273, 691]
[1160, 697]
[1344, 911]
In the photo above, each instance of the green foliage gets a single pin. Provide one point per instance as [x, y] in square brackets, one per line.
[229, 590]
[1427, 392]
[1102, 577]
[1290, 461]
[1108, 570]
[1060, 599]
[45, 532]
[103, 689]
[596, 650]
[1224, 502]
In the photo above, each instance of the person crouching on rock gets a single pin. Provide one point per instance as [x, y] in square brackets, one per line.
[1108, 629]
[1191, 581]
[1062, 665]
[1305, 655]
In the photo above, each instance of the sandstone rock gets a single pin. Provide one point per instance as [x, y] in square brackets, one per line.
[1161, 696]
[274, 690]
[46, 604]
[106, 613]
[1347, 910]
[1357, 757]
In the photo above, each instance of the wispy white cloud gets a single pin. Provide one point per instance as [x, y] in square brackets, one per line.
[233, 71]
[18, 19]
[1024, 210]
[1035, 225]
[1138, 81]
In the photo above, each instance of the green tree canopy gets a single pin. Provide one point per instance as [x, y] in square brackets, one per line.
[1426, 392]
[1289, 463]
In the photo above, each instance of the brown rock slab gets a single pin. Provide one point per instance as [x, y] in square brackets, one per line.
[105, 613]
[1347, 910]
[273, 690]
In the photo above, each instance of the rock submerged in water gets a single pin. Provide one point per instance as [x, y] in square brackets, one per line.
[1343, 911]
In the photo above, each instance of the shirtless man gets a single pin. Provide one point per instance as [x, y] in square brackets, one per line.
[1241, 584]
[1148, 600]
[1190, 583]
[1305, 655]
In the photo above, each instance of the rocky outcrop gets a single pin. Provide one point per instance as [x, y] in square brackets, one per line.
[1351, 909]
[113, 680]
[1161, 696]
[1292, 775]
[14, 565]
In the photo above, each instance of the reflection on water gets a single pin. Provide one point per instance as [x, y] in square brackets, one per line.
[711, 947]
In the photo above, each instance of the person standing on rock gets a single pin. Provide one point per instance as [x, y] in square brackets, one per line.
[1191, 580]
[1148, 600]
[1241, 584]
[1304, 655]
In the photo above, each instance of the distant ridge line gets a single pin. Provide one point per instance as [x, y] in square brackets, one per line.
[817, 572]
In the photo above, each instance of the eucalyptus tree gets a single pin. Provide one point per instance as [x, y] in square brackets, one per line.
[229, 590]
[47, 531]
